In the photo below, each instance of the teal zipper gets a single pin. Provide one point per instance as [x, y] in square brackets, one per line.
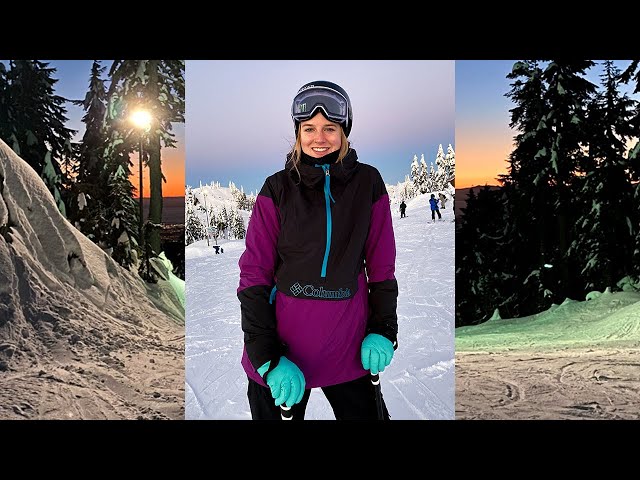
[327, 197]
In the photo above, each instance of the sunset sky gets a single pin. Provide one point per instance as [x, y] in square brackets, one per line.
[239, 114]
[483, 137]
[73, 83]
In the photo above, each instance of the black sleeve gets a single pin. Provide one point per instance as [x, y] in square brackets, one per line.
[383, 304]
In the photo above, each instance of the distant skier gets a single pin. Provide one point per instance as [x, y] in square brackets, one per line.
[217, 249]
[403, 208]
[443, 199]
[434, 208]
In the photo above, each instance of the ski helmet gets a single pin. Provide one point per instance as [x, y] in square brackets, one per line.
[329, 98]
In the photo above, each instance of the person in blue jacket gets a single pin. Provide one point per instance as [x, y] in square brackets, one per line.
[434, 208]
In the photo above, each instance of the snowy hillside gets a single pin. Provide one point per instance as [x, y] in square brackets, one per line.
[575, 360]
[80, 336]
[419, 384]
[213, 204]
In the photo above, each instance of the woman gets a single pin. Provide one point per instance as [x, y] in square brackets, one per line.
[317, 288]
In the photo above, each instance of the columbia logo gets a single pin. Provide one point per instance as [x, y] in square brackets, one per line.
[296, 289]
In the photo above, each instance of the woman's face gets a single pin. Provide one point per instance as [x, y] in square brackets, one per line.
[319, 136]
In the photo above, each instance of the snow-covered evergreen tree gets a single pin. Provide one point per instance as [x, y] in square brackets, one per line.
[239, 230]
[632, 74]
[33, 119]
[440, 177]
[604, 234]
[121, 212]
[89, 190]
[424, 183]
[415, 174]
[194, 229]
[450, 162]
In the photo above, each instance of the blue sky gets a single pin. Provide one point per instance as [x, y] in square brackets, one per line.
[239, 125]
[484, 139]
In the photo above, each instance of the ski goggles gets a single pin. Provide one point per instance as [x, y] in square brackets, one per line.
[333, 104]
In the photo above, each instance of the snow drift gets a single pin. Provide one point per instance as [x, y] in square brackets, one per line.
[80, 336]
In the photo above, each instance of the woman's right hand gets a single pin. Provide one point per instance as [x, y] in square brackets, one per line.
[286, 382]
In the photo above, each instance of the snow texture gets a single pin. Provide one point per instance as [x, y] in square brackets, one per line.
[80, 336]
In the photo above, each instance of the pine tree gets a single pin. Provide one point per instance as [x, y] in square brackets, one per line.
[415, 173]
[121, 212]
[632, 73]
[528, 200]
[450, 163]
[567, 96]
[239, 230]
[423, 183]
[604, 233]
[194, 230]
[89, 185]
[32, 122]
[440, 177]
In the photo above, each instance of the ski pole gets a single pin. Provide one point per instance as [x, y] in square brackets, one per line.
[375, 380]
[285, 412]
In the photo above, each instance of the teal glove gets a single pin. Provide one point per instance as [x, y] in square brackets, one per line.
[286, 382]
[376, 353]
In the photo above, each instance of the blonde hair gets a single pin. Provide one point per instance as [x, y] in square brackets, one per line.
[296, 151]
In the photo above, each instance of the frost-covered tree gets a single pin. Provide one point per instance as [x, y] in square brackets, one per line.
[121, 214]
[604, 234]
[566, 98]
[450, 162]
[415, 173]
[423, 182]
[239, 230]
[440, 177]
[89, 190]
[632, 74]
[194, 230]
[33, 119]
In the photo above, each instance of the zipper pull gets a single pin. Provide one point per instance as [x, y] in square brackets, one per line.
[326, 172]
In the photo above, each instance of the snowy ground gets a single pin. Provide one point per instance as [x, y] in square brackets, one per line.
[576, 360]
[419, 383]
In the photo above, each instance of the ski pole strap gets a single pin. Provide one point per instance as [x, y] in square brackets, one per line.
[286, 413]
[375, 379]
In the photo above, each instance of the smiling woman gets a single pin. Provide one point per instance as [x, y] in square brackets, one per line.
[317, 285]
[299, 267]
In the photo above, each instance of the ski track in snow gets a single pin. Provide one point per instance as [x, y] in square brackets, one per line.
[419, 383]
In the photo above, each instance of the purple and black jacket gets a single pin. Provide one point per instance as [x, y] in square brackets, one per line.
[317, 274]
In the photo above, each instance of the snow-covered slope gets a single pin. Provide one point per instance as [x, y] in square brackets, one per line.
[419, 384]
[80, 337]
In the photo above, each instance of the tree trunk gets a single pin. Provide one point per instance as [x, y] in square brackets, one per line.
[155, 168]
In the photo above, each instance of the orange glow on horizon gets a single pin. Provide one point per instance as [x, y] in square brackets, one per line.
[173, 160]
[481, 157]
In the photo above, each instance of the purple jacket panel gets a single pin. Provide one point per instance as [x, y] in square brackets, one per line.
[258, 262]
[380, 248]
[323, 337]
